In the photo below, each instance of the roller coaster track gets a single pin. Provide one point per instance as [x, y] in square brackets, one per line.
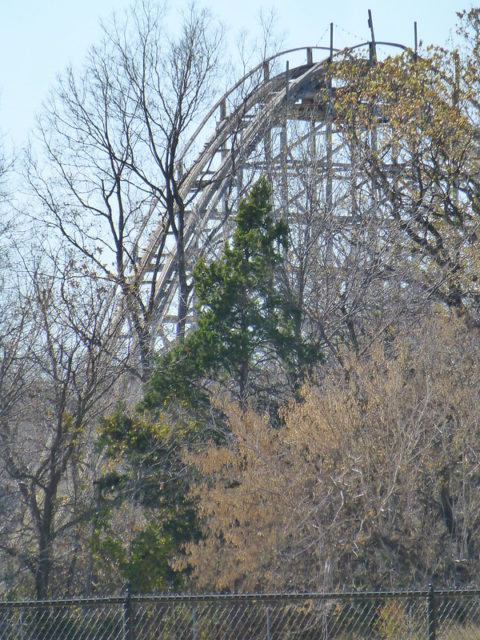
[245, 134]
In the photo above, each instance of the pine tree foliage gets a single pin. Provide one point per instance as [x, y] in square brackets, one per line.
[246, 321]
[145, 510]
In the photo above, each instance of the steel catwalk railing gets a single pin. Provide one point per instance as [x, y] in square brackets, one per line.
[399, 615]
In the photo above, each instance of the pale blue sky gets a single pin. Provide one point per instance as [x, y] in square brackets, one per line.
[38, 38]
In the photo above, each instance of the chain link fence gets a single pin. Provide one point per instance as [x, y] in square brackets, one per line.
[414, 615]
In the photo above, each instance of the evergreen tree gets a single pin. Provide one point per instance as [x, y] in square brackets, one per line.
[247, 340]
[148, 491]
[247, 325]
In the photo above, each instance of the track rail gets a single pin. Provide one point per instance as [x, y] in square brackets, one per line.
[263, 100]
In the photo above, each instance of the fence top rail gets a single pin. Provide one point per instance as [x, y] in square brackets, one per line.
[252, 598]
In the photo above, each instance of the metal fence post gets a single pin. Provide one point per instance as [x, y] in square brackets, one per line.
[194, 623]
[431, 622]
[127, 616]
[269, 636]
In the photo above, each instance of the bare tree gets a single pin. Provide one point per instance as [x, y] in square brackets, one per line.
[54, 376]
[112, 137]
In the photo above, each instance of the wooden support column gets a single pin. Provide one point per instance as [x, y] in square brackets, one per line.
[283, 146]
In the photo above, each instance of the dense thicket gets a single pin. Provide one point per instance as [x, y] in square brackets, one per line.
[372, 482]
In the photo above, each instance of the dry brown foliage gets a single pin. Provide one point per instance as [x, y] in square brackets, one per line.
[372, 481]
